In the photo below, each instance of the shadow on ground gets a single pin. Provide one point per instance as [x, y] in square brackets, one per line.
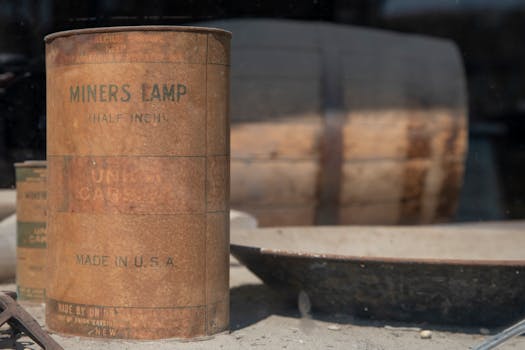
[6, 342]
[251, 303]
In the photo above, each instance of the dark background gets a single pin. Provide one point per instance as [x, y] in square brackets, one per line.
[490, 35]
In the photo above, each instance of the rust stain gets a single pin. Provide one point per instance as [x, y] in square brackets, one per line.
[414, 173]
[452, 181]
[450, 189]
[418, 139]
[138, 152]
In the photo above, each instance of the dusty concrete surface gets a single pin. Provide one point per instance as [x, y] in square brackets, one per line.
[260, 319]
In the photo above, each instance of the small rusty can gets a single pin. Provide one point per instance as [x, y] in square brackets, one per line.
[138, 157]
[31, 203]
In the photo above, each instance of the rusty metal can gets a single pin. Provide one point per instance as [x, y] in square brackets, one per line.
[138, 157]
[31, 202]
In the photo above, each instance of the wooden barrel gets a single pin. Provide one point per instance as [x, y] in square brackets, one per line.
[336, 124]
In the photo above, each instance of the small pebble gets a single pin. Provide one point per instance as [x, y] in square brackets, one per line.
[484, 331]
[334, 327]
[239, 336]
[425, 334]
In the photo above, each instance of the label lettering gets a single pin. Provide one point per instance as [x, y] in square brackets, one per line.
[149, 92]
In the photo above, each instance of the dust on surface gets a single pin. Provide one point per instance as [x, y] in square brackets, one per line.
[260, 319]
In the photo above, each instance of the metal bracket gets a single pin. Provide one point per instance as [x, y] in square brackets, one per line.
[502, 337]
[21, 321]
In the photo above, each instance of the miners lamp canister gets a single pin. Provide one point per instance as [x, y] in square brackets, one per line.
[138, 157]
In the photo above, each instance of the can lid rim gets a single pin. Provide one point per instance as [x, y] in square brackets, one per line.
[31, 164]
[160, 28]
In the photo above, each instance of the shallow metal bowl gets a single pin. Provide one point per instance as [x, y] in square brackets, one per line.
[468, 274]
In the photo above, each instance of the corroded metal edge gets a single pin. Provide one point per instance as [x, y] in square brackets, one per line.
[160, 28]
[355, 258]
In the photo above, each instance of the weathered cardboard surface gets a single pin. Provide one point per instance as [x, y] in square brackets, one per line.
[31, 211]
[138, 151]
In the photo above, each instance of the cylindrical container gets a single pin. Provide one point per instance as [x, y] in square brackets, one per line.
[336, 124]
[31, 203]
[138, 157]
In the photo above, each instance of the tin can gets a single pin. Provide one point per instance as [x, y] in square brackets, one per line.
[138, 157]
[31, 203]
